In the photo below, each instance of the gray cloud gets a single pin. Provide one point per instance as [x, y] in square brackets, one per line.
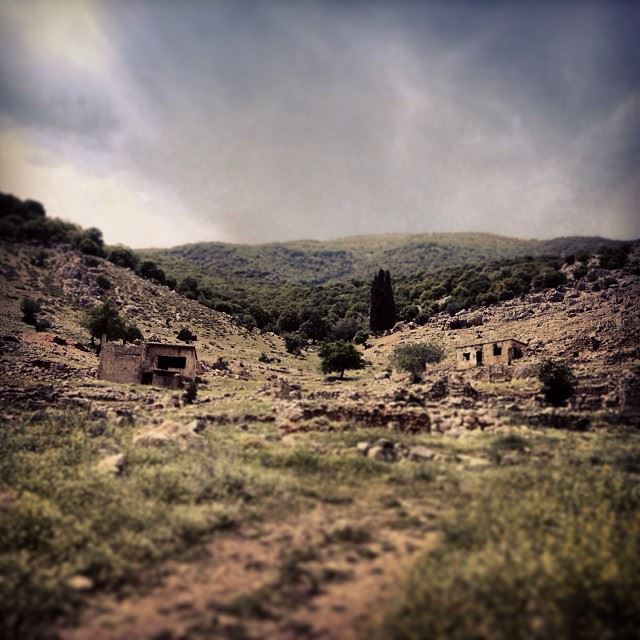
[273, 121]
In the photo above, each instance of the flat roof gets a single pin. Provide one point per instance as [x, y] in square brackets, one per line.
[170, 344]
[479, 344]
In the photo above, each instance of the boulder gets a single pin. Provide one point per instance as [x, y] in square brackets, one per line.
[423, 453]
[169, 433]
[112, 465]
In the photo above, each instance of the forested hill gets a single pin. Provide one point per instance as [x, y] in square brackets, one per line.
[358, 257]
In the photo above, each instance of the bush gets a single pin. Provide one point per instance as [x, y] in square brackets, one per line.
[103, 282]
[191, 392]
[558, 381]
[583, 256]
[293, 343]
[105, 319]
[185, 335]
[220, 364]
[338, 357]
[123, 257]
[30, 309]
[413, 358]
[361, 337]
[42, 325]
[150, 271]
[613, 257]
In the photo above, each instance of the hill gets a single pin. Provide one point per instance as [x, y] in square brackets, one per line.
[359, 257]
[284, 503]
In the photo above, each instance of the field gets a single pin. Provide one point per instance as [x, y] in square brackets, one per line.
[514, 535]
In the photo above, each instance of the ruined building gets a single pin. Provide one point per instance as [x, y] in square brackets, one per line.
[487, 353]
[162, 365]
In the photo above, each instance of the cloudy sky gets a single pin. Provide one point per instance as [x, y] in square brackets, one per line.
[168, 122]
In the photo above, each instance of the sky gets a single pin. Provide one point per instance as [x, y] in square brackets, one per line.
[166, 122]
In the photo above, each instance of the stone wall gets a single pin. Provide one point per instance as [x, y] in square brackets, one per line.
[153, 351]
[489, 356]
[119, 363]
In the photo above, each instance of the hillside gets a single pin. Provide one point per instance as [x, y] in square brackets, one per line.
[358, 257]
[284, 503]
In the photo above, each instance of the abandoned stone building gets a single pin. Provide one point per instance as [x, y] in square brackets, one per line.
[487, 353]
[162, 365]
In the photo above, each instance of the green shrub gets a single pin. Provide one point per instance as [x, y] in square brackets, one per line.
[186, 335]
[558, 381]
[338, 357]
[293, 343]
[413, 358]
[30, 309]
[103, 282]
[123, 257]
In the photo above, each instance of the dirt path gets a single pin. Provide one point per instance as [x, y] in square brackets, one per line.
[320, 574]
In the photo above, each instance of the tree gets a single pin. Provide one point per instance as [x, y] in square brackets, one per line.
[293, 343]
[30, 309]
[414, 357]
[104, 319]
[185, 335]
[123, 257]
[340, 356]
[150, 271]
[558, 381]
[382, 314]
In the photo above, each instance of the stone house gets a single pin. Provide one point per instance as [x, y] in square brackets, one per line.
[162, 365]
[488, 353]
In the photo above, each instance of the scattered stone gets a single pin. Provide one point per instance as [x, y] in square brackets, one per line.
[80, 583]
[423, 453]
[363, 447]
[113, 465]
[168, 433]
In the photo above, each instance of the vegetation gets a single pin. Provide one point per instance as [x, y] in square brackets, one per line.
[186, 335]
[190, 393]
[30, 309]
[613, 257]
[535, 551]
[382, 313]
[105, 320]
[558, 381]
[340, 356]
[413, 358]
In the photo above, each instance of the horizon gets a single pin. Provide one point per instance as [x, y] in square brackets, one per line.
[178, 123]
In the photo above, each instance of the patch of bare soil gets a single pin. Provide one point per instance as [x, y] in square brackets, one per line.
[320, 574]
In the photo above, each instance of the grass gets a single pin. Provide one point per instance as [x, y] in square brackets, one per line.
[541, 550]
[547, 547]
[61, 517]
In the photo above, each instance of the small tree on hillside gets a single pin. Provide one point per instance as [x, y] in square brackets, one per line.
[340, 356]
[30, 309]
[185, 335]
[382, 313]
[104, 319]
[558, 381]
[414, 358]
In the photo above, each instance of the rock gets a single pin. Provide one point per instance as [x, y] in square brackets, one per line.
[80, 583]
[381, 453]
[385, 375]
[422, 453]
[198, 425]
[384, 443]
[556, 296]
[363, 447]
[169, 433]
[114, 464]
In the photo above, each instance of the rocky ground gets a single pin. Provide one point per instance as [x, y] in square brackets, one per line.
[320, 570]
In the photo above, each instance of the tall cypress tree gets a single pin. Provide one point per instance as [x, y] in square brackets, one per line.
[382, 315]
